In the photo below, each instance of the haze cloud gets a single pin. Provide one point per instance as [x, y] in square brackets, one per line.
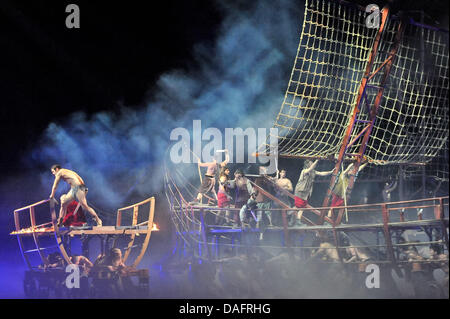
[237, 82]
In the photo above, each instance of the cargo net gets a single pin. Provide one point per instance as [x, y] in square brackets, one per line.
[436, 171]
[412, 122]
[334, 48]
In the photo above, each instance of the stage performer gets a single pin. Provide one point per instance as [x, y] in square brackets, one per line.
[223, 201]
[281, 182]
[78, 191]
[341, 187]
[304, 187]
[209, 180]
[387, 190]
[243, 190]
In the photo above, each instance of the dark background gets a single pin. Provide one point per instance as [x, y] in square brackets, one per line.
[49, 71]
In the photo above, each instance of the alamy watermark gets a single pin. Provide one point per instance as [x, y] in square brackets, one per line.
[373, 279]
[233, 140]
[73, 279]
[373, 19]
[73, 19]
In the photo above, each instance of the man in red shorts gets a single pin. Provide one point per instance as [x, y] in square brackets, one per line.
[223, 201]
[340, 188]
[304, 187]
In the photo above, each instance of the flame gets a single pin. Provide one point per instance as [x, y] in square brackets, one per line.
[31, 230]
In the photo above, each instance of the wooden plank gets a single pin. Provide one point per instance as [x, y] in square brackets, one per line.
[203, 233]
[35, 238]
[361, 93]
[307, 208]
[32, 205]
[19, 239]
[148, 234]
[442, 220]
[283, 205]
[270, 196]
[133, 235]
[134, 205]
[119, 218]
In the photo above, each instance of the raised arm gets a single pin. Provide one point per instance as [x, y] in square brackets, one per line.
[347, 170]
[205, 164]
[313, 166]
[87, 261]
[392, 187]
[349, 167]
[325, 173]
[227, 159]
[362, 167]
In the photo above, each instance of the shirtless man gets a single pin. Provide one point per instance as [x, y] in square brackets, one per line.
[77, 192]
[84, 263]
[283, 182]
[326, 251]
[209, 180]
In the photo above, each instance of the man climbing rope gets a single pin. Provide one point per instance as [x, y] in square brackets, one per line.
[304, 187]
[78, 191]
[340, 188]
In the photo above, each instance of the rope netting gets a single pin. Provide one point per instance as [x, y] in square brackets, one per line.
[411, 126]
[412, 120]
[331, 57]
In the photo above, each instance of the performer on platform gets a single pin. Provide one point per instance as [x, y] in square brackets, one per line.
[258, 201]
[340, 188]
[243, 190]
[209, 180]
[285, 183]
[78, 191]
[281, 182]
[388, 189]
[304, 187]
[263, 201]
[224, 201]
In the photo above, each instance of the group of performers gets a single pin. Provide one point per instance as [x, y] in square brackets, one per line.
[107, 275]
[241, 193]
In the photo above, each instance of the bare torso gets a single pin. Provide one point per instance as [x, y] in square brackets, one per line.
[70, 177]
[329, 250]
[284, 183]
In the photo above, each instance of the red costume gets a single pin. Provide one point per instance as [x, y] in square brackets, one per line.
[74, 218]
[336, 201]
[222, 200]
[300, 203]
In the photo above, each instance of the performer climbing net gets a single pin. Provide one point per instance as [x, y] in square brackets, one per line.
[411, 126]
